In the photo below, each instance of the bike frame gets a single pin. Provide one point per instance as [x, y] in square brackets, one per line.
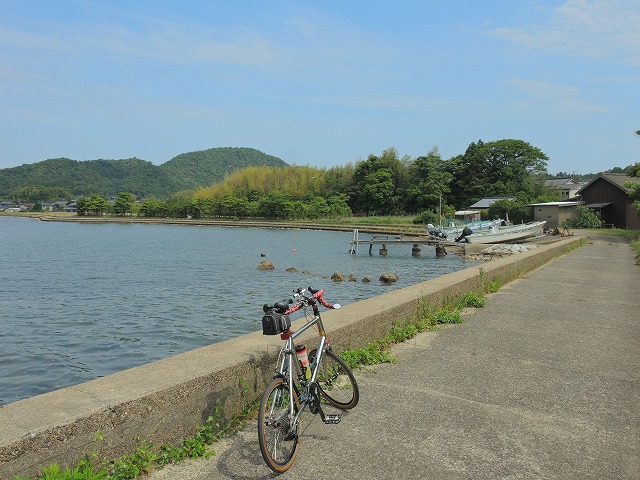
[286, 360]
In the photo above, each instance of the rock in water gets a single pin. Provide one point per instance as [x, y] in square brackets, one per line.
[388, 278]
[266, 265]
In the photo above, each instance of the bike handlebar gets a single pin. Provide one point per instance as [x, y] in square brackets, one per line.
[304, 297]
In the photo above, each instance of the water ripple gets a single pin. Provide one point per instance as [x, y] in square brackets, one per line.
[80, 301]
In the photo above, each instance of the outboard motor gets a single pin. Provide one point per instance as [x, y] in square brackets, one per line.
[435, 231]
[465, 231]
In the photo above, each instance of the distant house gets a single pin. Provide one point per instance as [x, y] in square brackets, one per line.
[468, 216]
[609, 198]
[486, 202]
[64, 206]
[568, 187]
[554, 213]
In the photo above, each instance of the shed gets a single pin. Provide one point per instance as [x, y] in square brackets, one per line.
[468, 216]
[607, 195]
[554, 213]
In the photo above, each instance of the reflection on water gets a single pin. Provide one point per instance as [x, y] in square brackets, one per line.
[81, 301]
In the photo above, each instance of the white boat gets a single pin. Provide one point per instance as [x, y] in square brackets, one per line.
[453, 230]
[512, 233]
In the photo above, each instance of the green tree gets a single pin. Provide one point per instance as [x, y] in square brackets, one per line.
[514, 210]
[339, 180]
[584, 217]
[38, 193]
[633, 170]
[276, 206]
[154, 207]
[124, 203]
[376, 184]
[634, 194]
[94, 205]
[500, 168]
[430, 183]
[338, 206]
[634, 188]
[232, 206]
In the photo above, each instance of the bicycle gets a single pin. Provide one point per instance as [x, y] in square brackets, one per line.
[307, 381]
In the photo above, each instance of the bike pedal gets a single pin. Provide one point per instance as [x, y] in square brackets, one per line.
[332, 419]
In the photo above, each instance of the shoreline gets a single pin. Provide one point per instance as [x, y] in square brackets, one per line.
[411, 233]
[392, 229]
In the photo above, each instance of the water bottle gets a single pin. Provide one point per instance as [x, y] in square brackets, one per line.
[303, 359]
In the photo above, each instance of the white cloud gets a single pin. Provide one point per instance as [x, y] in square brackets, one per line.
[557, 97]
[174, 43]
[586, 27]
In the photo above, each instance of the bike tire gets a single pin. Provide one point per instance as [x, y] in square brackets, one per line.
[335, 379]
[278, 440]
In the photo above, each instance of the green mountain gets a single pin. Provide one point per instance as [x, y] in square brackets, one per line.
[110, 177]
[205, 167]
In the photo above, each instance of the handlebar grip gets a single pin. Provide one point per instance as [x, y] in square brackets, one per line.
[295, 308]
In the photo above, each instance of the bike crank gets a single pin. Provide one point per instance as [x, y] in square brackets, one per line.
[314, 407]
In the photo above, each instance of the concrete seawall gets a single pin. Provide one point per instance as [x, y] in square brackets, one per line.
[166, 401]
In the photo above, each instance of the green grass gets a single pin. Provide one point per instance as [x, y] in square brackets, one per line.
[148, 456]
[635, 245]
[615, 232]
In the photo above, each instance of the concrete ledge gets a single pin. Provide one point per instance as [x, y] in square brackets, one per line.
[165, 401]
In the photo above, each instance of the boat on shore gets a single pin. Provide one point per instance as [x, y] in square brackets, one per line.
[508, 234]
[454, 230]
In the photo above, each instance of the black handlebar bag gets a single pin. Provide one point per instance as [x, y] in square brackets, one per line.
[274, 323]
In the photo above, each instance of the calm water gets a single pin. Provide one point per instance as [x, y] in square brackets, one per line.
[81, 301]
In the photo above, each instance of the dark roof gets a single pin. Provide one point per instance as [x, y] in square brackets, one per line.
[560, 182]
[617, 179]
[556, 204]
[487, 202]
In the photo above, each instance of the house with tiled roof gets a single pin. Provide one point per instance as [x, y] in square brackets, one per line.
[608, 196]
[486, 202]
[567, 187]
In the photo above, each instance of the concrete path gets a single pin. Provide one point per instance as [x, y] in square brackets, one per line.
[544, 382]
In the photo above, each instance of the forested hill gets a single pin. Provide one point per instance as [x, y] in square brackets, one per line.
[205, 167]
[109, 177]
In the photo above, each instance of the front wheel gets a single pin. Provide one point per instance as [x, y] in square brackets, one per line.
[336, 381]
[277, 436]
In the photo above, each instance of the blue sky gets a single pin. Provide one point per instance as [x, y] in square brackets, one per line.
[319, 83]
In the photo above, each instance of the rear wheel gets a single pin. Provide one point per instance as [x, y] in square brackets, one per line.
[277, 437]
[337, 384]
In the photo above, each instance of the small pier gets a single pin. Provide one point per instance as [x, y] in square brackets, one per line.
[416, 242]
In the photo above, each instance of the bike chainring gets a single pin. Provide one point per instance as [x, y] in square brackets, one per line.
[314, 398]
